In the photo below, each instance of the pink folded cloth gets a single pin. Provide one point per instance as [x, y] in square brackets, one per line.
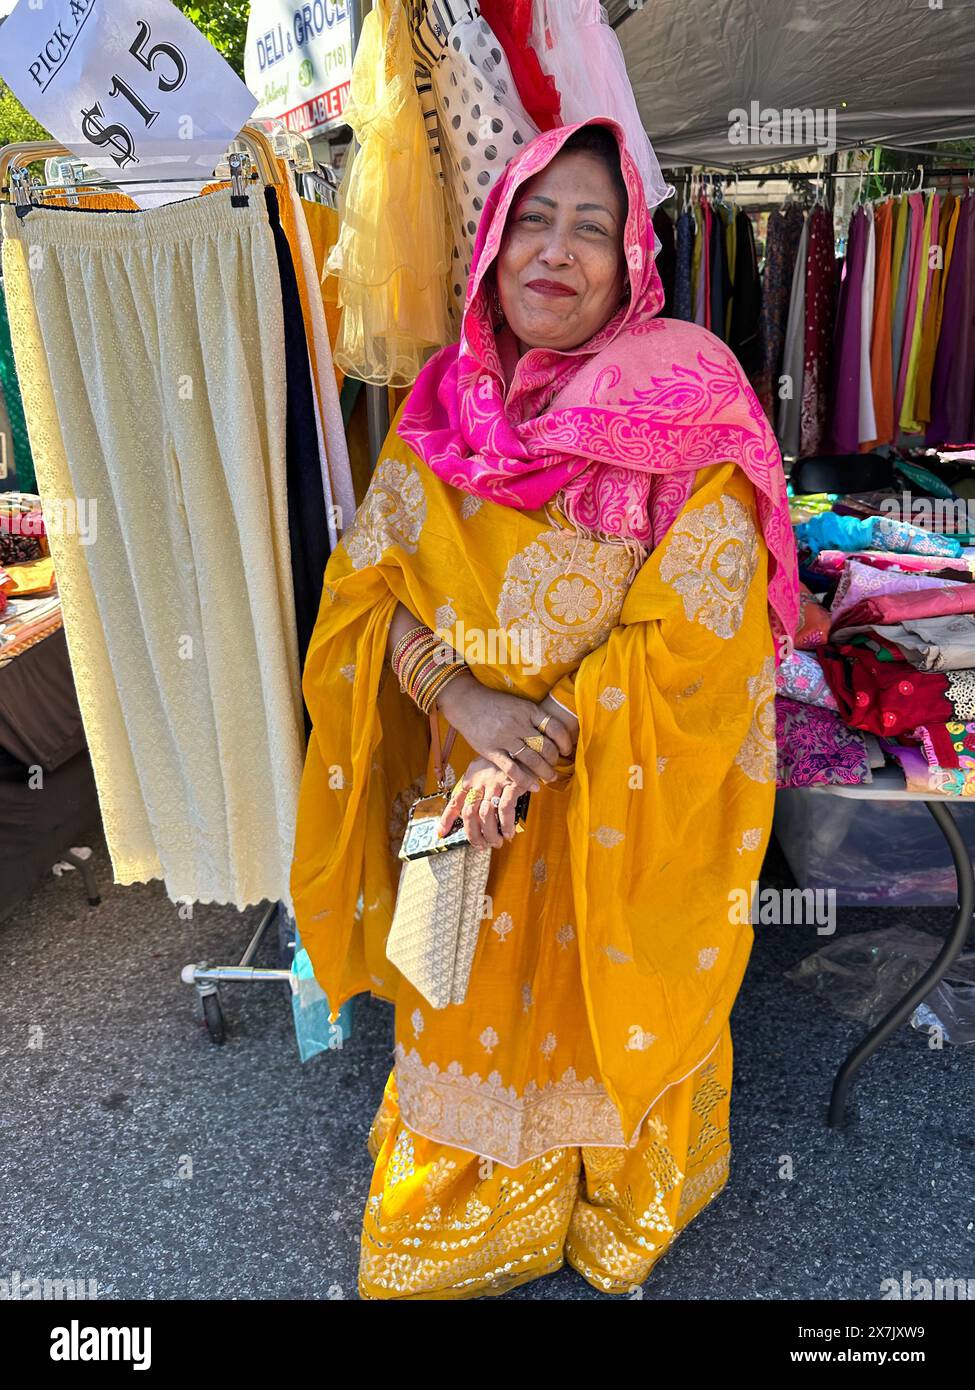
[881, 610]
[832, 561]
[860, 581]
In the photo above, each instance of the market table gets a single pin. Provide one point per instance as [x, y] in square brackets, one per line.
[888, 785]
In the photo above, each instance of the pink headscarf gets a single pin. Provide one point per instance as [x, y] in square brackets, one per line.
[615, 429]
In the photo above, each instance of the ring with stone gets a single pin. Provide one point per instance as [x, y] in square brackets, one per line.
[495, 801]
[536, 743]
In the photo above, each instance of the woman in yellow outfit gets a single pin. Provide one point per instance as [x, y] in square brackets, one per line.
[585, 501]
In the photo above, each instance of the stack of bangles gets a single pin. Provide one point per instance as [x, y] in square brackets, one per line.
[422, 666]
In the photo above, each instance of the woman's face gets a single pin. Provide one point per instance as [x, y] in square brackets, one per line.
[561, 268]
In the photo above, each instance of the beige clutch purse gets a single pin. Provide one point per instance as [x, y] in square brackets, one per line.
[436, 921]
[440, 899]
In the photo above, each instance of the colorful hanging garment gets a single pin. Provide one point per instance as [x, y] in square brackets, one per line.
[929, 238]
[867, 423]
[683, 304]
[746, 303]
[511, 21]
[391, 257]
[781, 244]
[914, 253]
[935, 310]
[23, 460]
[880, 331]
[820, 308]
[789, 421]
[949, 413]
[846, 342]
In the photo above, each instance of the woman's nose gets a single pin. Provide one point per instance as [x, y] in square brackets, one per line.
[555, 252]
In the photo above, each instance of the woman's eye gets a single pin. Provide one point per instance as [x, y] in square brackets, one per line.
[592, 227]
[530, 217]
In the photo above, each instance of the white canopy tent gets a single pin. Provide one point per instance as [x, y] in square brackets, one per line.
[898, 72]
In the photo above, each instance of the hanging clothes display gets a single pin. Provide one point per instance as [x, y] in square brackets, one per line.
[746, 304]
[781, 244]
[866, 421]
[180, 620]
[483, 125]
[577, 48]
[820, 291]
[846, 362]
[683, 304]
[511, 22]
[880, 332]
[793, 353]
[391, 257]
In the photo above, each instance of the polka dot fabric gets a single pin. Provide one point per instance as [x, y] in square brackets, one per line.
[483, 125]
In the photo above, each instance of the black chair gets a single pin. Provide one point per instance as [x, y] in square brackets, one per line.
[842, 473]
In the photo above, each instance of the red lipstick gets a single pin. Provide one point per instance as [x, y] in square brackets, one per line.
[550, 287]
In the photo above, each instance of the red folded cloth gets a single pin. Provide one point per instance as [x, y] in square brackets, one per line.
[887, 697]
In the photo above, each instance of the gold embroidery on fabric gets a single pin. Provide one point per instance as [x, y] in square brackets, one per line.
[348, 671]
[611, 698]
[502, 925]
[486, 1117]
[565, 935]
[709, 1181]
[710, 559]
[393, 513]
[445, 617]
[617, 956]
[608, 837]
[751, 839]
[489, 1040]
[470, 505]
[757, 755]
[399, 814]
[706, 957]
[563, 592]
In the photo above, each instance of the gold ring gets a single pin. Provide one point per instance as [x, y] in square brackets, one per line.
[517, 750]
[545, 723]
[474, 797]
[536, 743]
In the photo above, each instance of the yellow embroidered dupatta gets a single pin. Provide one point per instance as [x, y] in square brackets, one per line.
[669, 810]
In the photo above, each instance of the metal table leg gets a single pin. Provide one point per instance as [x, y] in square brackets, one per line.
[936, 972]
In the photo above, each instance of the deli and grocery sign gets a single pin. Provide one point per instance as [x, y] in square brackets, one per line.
[131, 86]
[298, 61]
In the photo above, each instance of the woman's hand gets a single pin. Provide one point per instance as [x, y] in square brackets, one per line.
[486, 824]
[497, 725]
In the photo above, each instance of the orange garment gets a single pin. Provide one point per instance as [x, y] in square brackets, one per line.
[323, 228]
[881, 349]
[931, 331]
[104, 202]
[32, 577]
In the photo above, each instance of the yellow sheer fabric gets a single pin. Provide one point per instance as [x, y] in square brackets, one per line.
[616, 940]
[392, 256]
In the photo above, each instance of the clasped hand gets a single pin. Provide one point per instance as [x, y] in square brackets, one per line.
[496, 725]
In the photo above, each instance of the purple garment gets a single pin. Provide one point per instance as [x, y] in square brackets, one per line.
[961, 391]
[800, 677]
[860, 581]
[846, 342]
[947, 421]
[815, 746]
[918, 252]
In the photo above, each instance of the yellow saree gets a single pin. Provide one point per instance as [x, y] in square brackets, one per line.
[576, 1105]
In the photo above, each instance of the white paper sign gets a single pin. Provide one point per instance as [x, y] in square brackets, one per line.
[129, 85]
[298, 60]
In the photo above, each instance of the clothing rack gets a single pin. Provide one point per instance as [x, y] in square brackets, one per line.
[18, 187]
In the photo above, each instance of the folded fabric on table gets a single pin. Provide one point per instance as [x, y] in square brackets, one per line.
[815, 746]
[830, 531]
[860, 581]
[921, 776]
[878, 610]
[891, 697]
[800, 677]
[814, 621]
[944, 643]
[832, 562]
[945, 744]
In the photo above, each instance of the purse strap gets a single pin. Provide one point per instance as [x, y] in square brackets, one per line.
[440, 757]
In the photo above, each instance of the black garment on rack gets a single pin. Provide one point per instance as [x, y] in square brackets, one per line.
[307, 523]
[746, 304]
[721, 282]
[663, 225]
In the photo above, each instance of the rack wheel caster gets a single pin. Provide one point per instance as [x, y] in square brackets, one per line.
[213, 1016]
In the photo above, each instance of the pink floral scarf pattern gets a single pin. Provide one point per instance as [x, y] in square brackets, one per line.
[615, 428]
